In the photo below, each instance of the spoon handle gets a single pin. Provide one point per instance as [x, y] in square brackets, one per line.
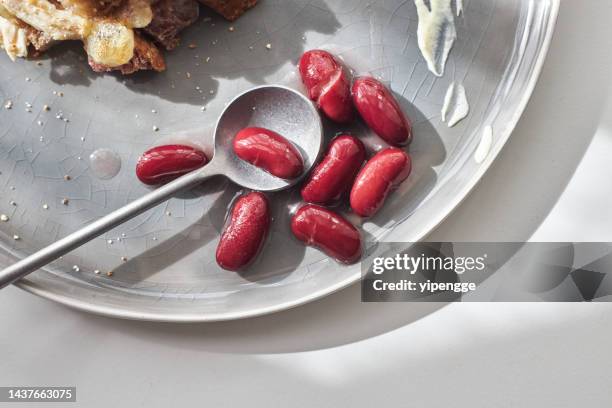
[103, 225]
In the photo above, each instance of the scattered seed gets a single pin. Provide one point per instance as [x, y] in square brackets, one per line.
[110, 242]
[192, 46]
[97, 271]
[8, 105]
[124, 259]
[188, 75]
[76, 268]
[46, 108]
[168, 213]
[45, 206]
[28, 79]
[13, 203]
[4, 218]
[155, 128]
[65, 201]
[39, 123]
[16, 237]
[231, 29]
[67, 177]
[269, 46]
[153, 111]
[109, 273]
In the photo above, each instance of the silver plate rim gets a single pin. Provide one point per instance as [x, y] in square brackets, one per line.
[450, 207]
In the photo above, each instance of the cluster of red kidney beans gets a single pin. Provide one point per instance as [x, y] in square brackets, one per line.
[341, 170]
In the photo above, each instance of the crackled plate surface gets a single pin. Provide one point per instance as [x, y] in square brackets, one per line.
[163, 261]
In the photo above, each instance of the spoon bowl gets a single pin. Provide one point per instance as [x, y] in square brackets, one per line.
[281, 109]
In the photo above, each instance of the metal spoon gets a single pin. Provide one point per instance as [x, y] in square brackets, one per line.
[274, 107]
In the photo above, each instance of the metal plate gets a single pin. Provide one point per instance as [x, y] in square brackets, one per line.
[169, 272]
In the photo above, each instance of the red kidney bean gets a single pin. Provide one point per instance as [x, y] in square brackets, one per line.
[334, 176]
[246, 232]
[383, 173]
[270, 151]
[381, 111]
[162, 164]
[324, 229]
[328, 84]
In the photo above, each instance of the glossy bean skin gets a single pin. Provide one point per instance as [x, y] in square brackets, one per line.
[269, 151]
[328, 231]
[327, 84]
[381, 112]
[162, 164]
[246, 232]
[378, 178]
[334, 175]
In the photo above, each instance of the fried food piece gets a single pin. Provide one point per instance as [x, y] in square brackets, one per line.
[109, 29]
[146, 57]
[90, 8]
[109, 40]
[45, 16]
[13, 39]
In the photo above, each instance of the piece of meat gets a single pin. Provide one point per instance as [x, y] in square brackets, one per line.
[170, 17]
[230, 9]
[146, 57]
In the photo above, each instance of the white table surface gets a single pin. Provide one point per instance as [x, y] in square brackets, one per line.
[552, 182]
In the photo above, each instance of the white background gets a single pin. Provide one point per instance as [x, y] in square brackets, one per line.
[552, 182]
